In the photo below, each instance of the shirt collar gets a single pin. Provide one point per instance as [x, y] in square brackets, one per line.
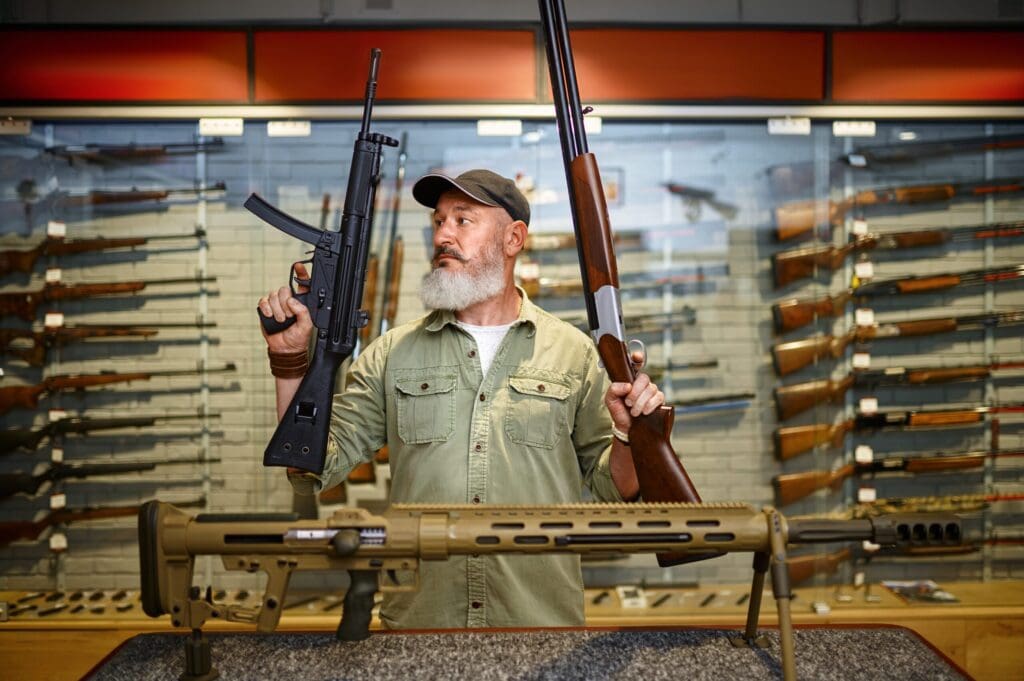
[528, 312]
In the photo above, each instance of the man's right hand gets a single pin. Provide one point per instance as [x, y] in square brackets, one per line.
[281, 305]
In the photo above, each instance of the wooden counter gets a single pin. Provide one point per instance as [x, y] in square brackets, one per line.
[981, 633]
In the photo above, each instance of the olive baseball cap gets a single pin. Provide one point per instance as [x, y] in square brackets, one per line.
[485, 186]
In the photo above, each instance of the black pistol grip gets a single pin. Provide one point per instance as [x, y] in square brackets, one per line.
[272, 326]
[358, 606]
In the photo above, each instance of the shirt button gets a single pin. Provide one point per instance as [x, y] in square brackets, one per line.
[476, 500]
[478, 447]
[482, 397]
[424, 386]
[472, 353]
[541, 387]
[477, 605]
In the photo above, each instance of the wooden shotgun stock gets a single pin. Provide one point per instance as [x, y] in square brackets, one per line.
[660, 473]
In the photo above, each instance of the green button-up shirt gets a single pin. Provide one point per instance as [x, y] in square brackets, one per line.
[534, 430]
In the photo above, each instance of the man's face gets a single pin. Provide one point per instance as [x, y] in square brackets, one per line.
[469, 261]
[468, 235]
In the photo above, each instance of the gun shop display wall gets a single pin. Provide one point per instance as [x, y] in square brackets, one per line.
[823, 255]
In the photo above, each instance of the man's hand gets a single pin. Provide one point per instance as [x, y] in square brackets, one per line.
[627, 400]
[281, 305]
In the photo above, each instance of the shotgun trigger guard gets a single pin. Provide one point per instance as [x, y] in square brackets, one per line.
[296, 279]
[636, 345]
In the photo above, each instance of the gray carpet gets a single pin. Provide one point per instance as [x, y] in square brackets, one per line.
[882, 653]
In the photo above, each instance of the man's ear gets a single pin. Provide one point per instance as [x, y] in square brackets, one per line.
[515, 237]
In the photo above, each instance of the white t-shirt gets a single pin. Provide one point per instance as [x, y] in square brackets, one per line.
[487, 338]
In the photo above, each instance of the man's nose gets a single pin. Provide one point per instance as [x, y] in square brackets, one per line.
[443, 233]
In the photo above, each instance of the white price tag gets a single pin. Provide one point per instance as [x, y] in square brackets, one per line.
[864, 269]
[789, 125]
[853, 129]
[289, 128]
[57, 455]
[866, 495]
[59, 500]
[56, 229]
[858, 578]
[860, 227]
[53, 275]
[864, 316]
[868, 405]
[870, 546]
[863, 454]
[631, 596]
[861, 360]
[821, 608]
[56, 414]
[58, 542]
[52, 320]
[221, 127]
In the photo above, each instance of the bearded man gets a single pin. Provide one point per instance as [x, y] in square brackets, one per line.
[485, 400]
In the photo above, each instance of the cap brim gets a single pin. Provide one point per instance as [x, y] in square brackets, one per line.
[428, 190]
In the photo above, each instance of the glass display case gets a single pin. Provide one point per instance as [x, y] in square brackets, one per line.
[742, 255]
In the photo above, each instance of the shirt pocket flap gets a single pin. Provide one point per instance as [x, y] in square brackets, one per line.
[539, 387]
[426, 385]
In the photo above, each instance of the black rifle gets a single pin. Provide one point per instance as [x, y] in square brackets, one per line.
[335, 291]
[26, 483]
[29, 439]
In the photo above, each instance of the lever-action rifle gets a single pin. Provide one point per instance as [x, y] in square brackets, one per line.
[372, 547]
[114, 153]
[28, 439]
[791, 400]
[31, 529]
[25, 303]
[661, 475]
[800, 263]
[26, 483]
[797, 218]
[25, 260]
[335, 290]
[794, 313]
[795, 355]
[59, 336]
[792, 487]
[791, 441]
[28, 396]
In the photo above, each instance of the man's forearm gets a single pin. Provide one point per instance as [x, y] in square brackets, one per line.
[622, 470]
[285, 389]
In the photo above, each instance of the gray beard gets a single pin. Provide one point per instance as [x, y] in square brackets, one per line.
[444, 290]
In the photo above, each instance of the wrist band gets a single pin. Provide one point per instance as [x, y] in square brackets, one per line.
[619, 435]
[288, 364]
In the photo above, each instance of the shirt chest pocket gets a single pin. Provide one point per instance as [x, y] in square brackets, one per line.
[537, 413]
[425, 405]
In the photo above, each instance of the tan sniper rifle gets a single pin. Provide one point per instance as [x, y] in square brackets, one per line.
[373, 547]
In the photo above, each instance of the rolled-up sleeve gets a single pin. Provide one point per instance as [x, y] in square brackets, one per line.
[592, 433]
[358, 420]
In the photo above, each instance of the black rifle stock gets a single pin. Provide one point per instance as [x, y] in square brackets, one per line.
[334, 295]
[660, 472]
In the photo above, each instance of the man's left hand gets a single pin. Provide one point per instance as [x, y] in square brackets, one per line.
[628, 400]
